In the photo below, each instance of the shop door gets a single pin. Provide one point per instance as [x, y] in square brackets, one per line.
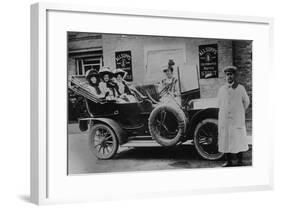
[159, 58]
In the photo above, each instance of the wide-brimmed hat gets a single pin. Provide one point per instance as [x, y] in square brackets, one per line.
[232, 69]
[105, 70]
[166, 68]
[171, 62]
[92, 73]
[119, 71]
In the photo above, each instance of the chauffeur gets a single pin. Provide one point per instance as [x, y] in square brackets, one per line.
[233, 102]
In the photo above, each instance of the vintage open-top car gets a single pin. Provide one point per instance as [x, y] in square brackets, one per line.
[148, 122]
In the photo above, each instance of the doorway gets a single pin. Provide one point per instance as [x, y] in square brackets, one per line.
[157, 59]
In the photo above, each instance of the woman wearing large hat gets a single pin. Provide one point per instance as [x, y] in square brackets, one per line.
[123, 88]
[92, 77]
[107, 86]
[169, 86]
[119, 75]
[105, 71]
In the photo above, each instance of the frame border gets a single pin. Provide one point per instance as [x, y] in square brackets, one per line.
[39, 74]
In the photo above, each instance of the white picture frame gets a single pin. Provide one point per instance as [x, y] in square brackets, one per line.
[49, 180]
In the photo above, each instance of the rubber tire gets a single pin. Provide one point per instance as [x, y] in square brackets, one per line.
[114, 138]
[181, 119]
[196, 141]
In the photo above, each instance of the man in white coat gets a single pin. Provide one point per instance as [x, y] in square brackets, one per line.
[233, 102]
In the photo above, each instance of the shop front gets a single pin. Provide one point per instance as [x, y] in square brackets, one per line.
[199, 62]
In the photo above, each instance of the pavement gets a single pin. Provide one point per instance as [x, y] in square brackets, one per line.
[82, 161]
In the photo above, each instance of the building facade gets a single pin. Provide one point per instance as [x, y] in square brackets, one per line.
[200, 61]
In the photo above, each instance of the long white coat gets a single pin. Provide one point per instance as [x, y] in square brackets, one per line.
[233, 103]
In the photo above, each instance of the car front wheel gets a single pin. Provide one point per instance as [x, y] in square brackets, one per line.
[206, 139]
[167, 124]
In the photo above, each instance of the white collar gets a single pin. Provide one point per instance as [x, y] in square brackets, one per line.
[230, 85]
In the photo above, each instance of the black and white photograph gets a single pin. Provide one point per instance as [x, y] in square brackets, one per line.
[146, 103]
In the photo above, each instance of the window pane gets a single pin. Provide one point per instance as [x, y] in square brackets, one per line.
[80, 71]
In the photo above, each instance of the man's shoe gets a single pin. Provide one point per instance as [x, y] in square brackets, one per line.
[227, 164]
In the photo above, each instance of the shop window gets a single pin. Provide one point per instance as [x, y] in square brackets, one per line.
[87, 63]
[87, 59]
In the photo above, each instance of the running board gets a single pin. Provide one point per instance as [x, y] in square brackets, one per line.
[148, 143]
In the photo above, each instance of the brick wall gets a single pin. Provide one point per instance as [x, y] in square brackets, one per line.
[242, 58]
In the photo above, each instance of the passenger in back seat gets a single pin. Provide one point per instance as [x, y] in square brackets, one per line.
[92, 77]
[107, 86]
[123, 88]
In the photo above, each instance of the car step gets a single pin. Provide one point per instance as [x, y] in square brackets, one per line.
[148, 143]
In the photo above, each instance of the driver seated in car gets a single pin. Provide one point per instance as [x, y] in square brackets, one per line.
[169, 86]
[123, 87]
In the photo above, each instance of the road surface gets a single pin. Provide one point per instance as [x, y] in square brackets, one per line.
[82, 161]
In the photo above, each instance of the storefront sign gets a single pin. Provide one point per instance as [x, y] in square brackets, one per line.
[208, 61]
[123, 61]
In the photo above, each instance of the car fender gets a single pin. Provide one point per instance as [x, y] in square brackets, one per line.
[119, 132]
[197, 115]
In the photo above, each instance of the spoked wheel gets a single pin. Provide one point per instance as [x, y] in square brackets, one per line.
[167, 124]
[103, 141]
[206, 139]
[165, 129]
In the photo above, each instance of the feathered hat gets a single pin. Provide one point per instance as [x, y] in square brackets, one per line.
[119, 71]
[105, 70]
[92, 73]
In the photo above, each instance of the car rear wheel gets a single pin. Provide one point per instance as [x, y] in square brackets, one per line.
[167, 124]
[206, 139]
[103, 141]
